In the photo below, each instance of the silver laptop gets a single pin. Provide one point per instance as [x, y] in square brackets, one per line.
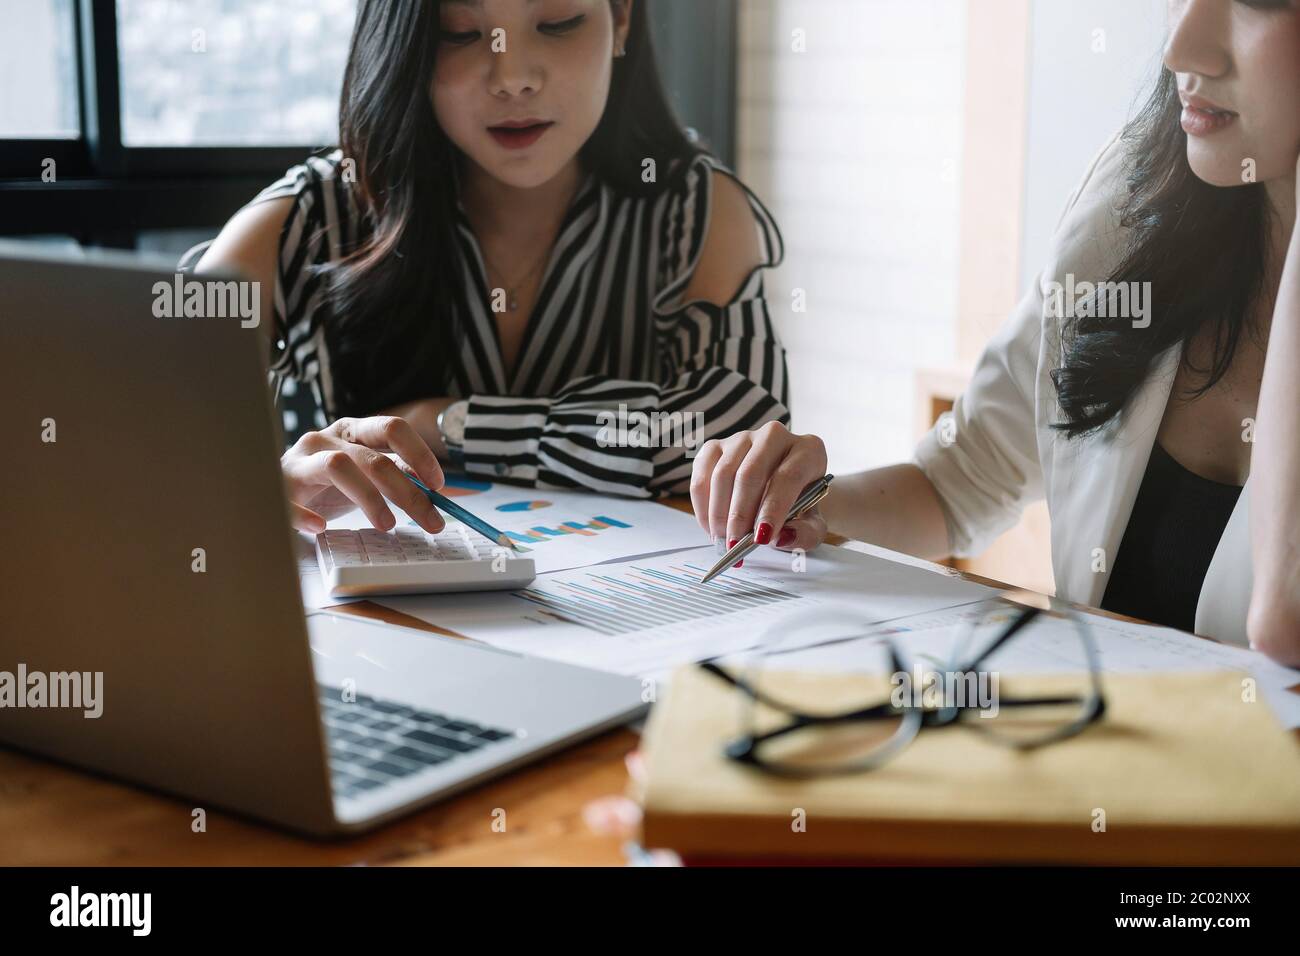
[148, 572]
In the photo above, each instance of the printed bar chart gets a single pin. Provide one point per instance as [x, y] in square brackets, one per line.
[643, 597]
[589, 529]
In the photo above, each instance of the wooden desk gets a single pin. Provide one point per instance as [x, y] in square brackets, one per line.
[51, 814]
[55, 815]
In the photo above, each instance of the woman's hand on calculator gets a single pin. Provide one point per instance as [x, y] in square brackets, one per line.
[329, 472]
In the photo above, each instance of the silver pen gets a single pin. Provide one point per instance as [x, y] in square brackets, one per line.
[811, 496]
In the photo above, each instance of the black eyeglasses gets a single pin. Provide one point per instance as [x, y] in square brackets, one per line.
[800, 725]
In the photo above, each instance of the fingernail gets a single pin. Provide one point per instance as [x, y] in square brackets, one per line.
[731, 544]
[786, 538]
[764, 533]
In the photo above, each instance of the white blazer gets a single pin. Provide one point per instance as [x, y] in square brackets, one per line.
[1003, 453]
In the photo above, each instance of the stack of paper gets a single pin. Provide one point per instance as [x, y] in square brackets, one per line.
[647, 615]
[618, 589]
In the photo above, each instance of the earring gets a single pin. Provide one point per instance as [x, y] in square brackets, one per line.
[620, 51]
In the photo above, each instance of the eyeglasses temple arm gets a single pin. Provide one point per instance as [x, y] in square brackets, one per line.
[1021, 620]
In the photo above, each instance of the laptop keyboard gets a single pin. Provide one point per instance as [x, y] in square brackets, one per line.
[373, 742]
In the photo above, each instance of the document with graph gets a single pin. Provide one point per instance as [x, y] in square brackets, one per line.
[565, 529]
[647, 615]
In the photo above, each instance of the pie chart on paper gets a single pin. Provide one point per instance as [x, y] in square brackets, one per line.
[523, 505]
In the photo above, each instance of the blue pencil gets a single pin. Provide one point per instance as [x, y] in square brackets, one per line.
[443, 503]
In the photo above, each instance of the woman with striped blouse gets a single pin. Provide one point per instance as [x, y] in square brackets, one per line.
[515, 262]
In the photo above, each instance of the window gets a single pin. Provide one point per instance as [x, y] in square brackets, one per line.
[38, 70]
[119, 118]
[231, 72]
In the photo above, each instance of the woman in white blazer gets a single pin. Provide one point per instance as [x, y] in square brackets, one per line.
[1148, 386]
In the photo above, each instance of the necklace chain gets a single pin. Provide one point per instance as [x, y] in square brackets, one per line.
[512, 288]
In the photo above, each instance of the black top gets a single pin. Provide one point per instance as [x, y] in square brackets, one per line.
[1177, 521]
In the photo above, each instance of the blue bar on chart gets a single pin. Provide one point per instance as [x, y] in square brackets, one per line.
[589, 529]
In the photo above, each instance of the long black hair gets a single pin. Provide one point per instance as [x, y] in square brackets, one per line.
[394, 299]
[1204, 250]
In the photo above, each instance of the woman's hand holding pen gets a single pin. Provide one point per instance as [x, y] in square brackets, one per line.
[748, 482]
[329, 472]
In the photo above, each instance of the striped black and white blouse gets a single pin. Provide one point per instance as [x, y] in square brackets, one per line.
[609, 336]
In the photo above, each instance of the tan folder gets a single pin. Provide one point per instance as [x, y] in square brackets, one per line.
[1185, 768]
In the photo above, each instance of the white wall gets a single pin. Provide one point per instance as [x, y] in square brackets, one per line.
[1078, 98]
[855, 145]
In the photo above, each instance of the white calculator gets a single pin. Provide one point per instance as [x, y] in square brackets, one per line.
[408, 560]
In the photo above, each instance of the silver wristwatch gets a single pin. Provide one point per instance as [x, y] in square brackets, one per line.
[451, 424]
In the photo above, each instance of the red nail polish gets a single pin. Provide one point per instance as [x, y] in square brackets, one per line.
[764, 533]
[739, 564]
[732, 543]
[786, 538]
